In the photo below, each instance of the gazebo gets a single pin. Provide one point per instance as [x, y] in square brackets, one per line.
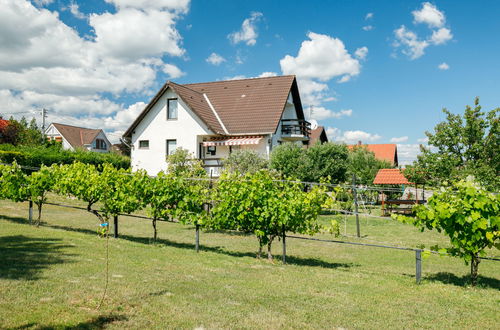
[394, 176]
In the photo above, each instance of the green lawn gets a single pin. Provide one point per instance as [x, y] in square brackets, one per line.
[53, 277]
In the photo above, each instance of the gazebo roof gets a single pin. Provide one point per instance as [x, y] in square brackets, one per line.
[390, 176]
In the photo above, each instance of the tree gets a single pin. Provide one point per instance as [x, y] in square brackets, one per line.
[38, 184]
[261, 204]
[326, 161]
[289, 160]
[182, 163]
[461, 146]
[364, 165]
[245, 161]
[468, 214]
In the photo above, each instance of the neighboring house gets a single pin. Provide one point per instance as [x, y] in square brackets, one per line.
[387, 152]
[318, 134]
[213, 119]
[73, 137]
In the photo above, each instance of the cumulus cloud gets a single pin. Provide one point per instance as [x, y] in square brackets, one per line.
[443, 66]
[361, 53]
[75, 10]
[430, 15]
[411, 44]
[267, 74]
[350, 137]
[320, 113]
[407, 153]
[215, 59]
[399, 139]
[172, 71]
[248, 32]
[368, 27]
[45, 63]
[423, 140]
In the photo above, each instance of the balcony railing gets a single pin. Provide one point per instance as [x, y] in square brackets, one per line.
[297, 129]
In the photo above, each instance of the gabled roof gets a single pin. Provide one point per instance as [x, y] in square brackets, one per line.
[390, 176]
[77, 136]
[388, 152]
[246, 106]
[318, 134]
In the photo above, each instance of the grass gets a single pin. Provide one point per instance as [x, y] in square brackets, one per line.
[52, 277]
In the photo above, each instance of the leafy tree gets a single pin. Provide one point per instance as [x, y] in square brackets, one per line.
[245, 161]
[364, 165]
[461, 146]
[38, 184]
[289, 160]
[468, 214]
[182, 163]
[326, 161]
[258, 203]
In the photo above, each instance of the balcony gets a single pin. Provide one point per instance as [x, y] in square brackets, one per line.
[295, 129]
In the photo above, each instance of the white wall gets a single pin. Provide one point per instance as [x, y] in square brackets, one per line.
[157, 129]
[52, 132]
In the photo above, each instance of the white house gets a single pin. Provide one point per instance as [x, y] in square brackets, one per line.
[73, 137]
[213, 119]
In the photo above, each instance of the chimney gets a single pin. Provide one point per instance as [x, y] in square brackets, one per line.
[359, 143]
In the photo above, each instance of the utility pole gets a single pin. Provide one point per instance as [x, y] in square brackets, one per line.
[44, 115]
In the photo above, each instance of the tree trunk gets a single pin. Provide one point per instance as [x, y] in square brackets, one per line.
[39, 214]
[269, 254]
[154, 230]
[474, 265]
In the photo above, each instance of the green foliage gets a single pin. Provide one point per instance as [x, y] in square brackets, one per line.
[364, 165]
[38, 184]
[182, 163]
[461, 146]
[468, 214]
[12, 181]
[36, 156]
[245, 161]
[21, 133]
[321, 161]
[258, 203]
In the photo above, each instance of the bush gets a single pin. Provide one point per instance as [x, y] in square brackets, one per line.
[36, 156]
[245, 161]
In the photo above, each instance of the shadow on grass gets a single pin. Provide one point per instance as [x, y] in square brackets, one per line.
[18, 220]
[312, 262]
[24, 258]
[449, 278]
[99, 322]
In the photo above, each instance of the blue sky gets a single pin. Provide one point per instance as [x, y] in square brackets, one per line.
[376, 71]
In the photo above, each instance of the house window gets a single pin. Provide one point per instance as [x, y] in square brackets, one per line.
[211, 150]
[99, 144]
[171, 109]
[144, 144]
[171, 146]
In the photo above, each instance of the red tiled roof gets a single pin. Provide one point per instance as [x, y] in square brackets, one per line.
[388, 152]
[77, 136]
[246, 106]
[390, 176]
[318, 134]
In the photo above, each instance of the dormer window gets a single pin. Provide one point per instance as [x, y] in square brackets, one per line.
[171, 109]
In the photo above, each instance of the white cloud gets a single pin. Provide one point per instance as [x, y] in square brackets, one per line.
[350, 137]
[441, 36]
[75, 10]
[172, 71]
[368, 27]
[443, 66]
[399, 139]
[361, 53]
[423, 140]
[369, 16]
[322, 57]
[410, 43]
[248, 32]
[430, 15]
[41, 3]
[267, 74]
[320, 113]
[215, 59]
[407, 153]
[312, 92]
[45, 63]
[412, 46]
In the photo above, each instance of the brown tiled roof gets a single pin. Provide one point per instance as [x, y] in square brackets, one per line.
[318, 134]
[77, 136]
[388, 152]
[390, 176]
[246, 106]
